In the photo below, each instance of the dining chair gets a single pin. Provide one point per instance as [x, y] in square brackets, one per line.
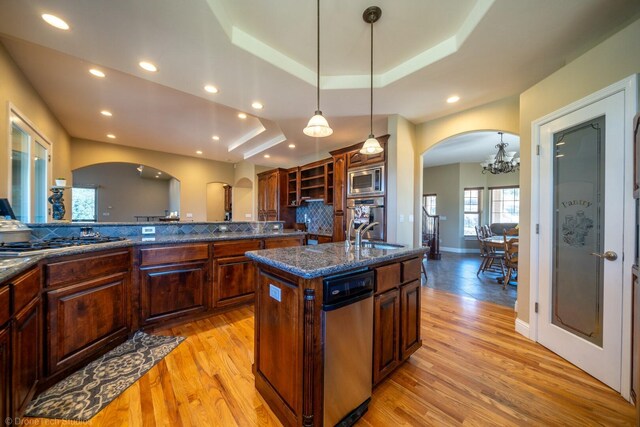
[510, 259]
[511, 232]
[488, 254]
[487, 230]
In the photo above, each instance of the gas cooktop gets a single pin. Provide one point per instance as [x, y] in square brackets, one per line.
[46, 245]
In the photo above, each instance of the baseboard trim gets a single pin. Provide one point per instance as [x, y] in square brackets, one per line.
[522, 327]
[459, 250]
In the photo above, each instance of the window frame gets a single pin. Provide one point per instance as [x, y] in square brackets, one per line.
[95, 205]
[17, 118]
[502, 187]
[478, 212]
[425, 204]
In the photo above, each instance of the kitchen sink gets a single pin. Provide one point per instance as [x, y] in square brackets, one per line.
[380, 245]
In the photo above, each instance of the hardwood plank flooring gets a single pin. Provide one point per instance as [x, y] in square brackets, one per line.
[472, 369]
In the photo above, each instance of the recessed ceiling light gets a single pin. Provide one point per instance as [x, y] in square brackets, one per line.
[257, 105]
[452, 99]
[110, 135]
[146, 65]
[159, 173]
[242, 116]
[106, 113]
[266, 156]
[292, 145]
[97, 72]
[211, 89]
[198, 152]
[54, 21]
[157, 176]
[215, 138]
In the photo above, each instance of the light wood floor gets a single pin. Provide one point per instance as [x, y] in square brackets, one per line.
[473, 369]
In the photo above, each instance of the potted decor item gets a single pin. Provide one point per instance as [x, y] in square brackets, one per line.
[61, 182]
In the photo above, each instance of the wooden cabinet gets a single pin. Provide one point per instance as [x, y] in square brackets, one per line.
[293, 187]
[5, 372]
[409, 319]
[174, 282]
[339, 196]
[87, 301]
[396, 326]
[386, 334]
[272, 197]
[356, 159]
[26, 349]
[316, 181]
[283, 242]
[233, 273]
[228, 197]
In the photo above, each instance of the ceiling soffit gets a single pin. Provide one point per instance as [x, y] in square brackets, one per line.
[450, 45]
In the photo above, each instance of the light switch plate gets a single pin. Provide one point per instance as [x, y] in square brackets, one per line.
[401, 218]
[443, 218]
[247, 215]
[148, 230]
[275, 292]
[189, 215]
[411, 218]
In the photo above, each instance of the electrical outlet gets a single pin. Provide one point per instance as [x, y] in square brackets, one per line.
[223, 228]
[275, 292]
[189, 215]
[411, 218]
[401, 218]
[148, 230]
[276, 226]
[247, 215]
[443, 218]
[105, 213]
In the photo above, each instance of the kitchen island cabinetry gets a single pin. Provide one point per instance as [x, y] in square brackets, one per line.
[87, 301]
[290, 316]
[233, 273]
[174, 282]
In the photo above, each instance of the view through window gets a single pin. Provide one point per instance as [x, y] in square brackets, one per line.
[505, 204]
[84, 206]
[429, 203]
[472, 205]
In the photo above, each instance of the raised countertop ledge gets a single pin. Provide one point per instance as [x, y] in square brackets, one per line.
[12, 266]
[330, 258]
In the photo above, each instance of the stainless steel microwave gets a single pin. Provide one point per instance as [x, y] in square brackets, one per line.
[366, 181]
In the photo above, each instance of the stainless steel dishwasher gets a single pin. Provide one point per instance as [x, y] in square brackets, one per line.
[347, 319]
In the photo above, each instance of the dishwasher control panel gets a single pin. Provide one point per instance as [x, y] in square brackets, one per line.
[341, 288]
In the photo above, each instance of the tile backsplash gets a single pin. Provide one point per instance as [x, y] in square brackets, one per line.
[319, 217]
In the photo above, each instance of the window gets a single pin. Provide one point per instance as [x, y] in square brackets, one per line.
[29, 172]
[472, 205]
[505, 204]
[429, 203]
[84, 207]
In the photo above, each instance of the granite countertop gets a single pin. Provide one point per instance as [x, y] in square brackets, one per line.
[10, 266]
[330, 258]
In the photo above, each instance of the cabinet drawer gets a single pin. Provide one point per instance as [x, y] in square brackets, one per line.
[25, 289]
[95, 265]
[387, 277]
[5, 309]
[284, 242]
[234, 248]
[174, 254]
[411, 270]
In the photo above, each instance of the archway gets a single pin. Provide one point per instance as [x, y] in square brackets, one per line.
[243, 199]
[123, 192]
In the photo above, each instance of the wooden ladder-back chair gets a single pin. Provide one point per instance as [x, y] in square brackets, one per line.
[488, 254]
[510, 258]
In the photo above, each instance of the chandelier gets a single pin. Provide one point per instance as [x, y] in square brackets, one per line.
[503, 162]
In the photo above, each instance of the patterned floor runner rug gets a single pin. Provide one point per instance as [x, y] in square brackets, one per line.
[85, 392]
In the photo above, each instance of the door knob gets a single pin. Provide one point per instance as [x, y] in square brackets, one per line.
[608, 255]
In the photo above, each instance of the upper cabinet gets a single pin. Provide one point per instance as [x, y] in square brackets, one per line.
[272, 197]
[316, 181]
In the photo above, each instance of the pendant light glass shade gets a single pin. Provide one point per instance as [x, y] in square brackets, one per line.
[318, 126]
[371, 146]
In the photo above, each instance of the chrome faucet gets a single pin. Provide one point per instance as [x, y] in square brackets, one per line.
[361, 230]
[347, 241]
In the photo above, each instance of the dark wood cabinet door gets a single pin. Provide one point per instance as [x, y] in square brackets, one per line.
[284, 242]
[409, 319]
[82, 319]
[173, 291]
[262, 194]
[356, 159]
[338, 228]
[339, 180]
[27, 351]
[386, 334]
[5, 372]
[234, 280]
[272, 192]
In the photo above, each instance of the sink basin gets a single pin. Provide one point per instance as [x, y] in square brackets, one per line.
[380, 245]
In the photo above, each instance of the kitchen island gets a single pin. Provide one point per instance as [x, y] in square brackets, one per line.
[295, 344]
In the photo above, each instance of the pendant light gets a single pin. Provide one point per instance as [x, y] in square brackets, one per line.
[371, 145]
[318, 126]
